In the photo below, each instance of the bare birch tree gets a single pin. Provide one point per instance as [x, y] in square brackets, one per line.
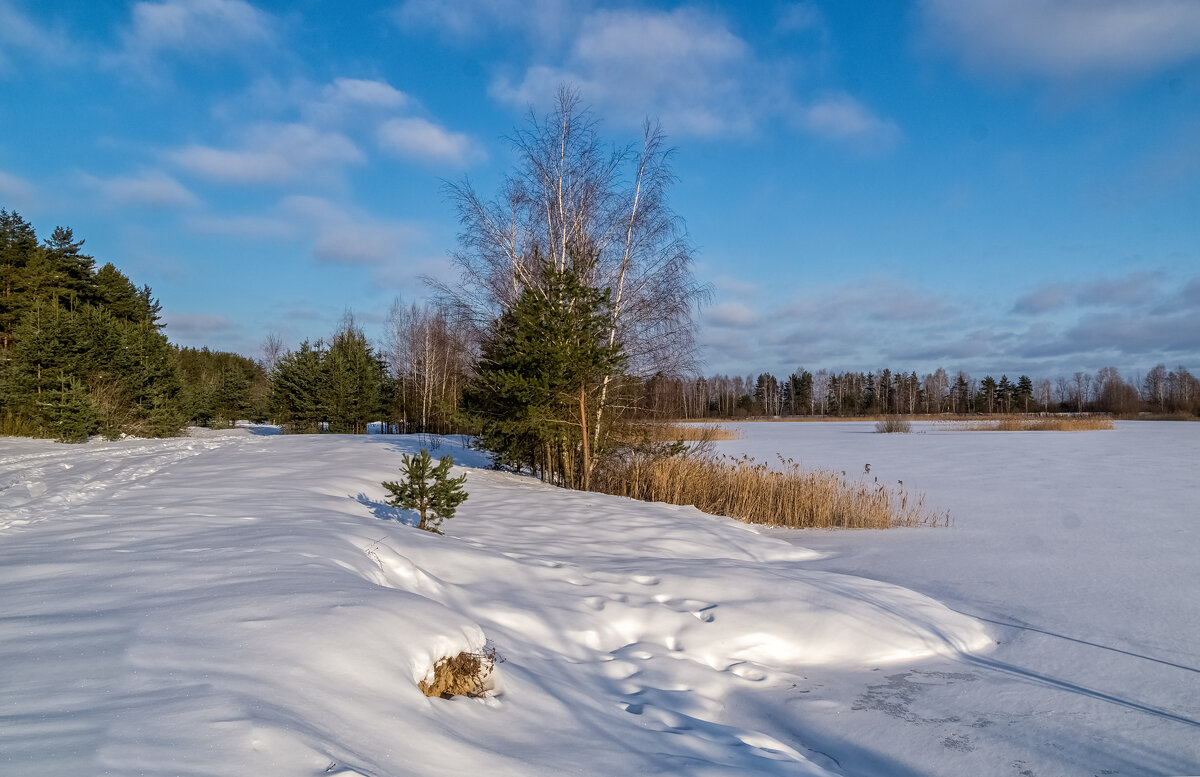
[600, 212]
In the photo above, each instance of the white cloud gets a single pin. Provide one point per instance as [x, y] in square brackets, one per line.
[150, 187]
[196, 327]
[683, 66]
[1065, 40]
[196, 25]
[20, 33]
[15, 190]
[540, 22]
[344, 236]
[335, 233]
[689, 69]
[1046, 299]
[1131, 291]
[841, 117]
[732, 315]
[255, 227]
[272, 154]
[422, 140]
[336, 123]
[365, 92]
[1132, 321]
[804, 17]
[232, 28]
[351, 99]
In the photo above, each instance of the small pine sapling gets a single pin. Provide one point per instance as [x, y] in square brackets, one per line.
[427, 489]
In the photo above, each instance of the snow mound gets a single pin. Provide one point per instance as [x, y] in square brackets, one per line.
[246, 604]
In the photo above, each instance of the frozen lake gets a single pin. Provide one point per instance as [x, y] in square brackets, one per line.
[1081, 549]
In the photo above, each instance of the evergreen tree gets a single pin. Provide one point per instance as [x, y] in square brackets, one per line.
[18, 244]
[868, 403]
[68, 410]
[220, 388]
[80, 350]
[1023, 392]
[297, 388]
[1004, 394]
[352, 382]
[117, 294]
[802, 392]
[535, 390]
[960, 394]
[128, 371]
[987, 393]
[427, 489]
[76, 269]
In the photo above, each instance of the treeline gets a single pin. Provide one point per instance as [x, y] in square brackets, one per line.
[82, 351]
[414, 382]
[848, 394]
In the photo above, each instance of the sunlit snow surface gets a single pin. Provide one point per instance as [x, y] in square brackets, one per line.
[241, 603]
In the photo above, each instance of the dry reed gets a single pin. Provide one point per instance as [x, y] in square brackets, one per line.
[467, 674]
[755, 493]
[1030, 425]
[893, 424]
[652, 432]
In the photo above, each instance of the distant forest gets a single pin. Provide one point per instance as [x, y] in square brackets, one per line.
[82, 353]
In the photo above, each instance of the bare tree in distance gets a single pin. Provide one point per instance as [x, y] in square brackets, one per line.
[599, 211]
[429, 359]
[272, 351]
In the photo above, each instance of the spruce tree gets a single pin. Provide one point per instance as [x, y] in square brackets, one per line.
[68, 410]
[297, 388]
[352, 381]
[427, 489]
[536, 386]
[76, 269]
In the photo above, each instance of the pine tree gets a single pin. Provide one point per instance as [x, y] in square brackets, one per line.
[1004, 394]
[1024, 391]
[427, 489]
[987, 393]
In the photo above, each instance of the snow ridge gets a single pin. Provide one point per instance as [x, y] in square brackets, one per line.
[239, 605]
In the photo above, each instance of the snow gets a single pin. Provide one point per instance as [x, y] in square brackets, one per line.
[1080, 550]
[245, 603]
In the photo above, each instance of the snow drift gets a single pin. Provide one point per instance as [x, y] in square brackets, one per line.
[239, 604]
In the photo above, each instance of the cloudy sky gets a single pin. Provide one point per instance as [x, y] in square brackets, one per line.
[996, 185]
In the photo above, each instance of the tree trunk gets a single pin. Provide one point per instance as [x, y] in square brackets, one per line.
[587, 464]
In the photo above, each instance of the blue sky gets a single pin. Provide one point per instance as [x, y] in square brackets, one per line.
[994, 185]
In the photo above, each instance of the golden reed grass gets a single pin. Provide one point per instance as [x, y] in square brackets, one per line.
[656, 432]
[467, 674]
[755, 493]
[1031, 425]
[893, 425]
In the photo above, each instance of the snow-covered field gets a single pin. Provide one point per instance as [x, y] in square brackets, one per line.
[240, 603]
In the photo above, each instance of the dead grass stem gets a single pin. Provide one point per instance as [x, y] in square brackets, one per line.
[755, 493]
[467, 674]
[893, 424]
[670, 432]
[1049, 424]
